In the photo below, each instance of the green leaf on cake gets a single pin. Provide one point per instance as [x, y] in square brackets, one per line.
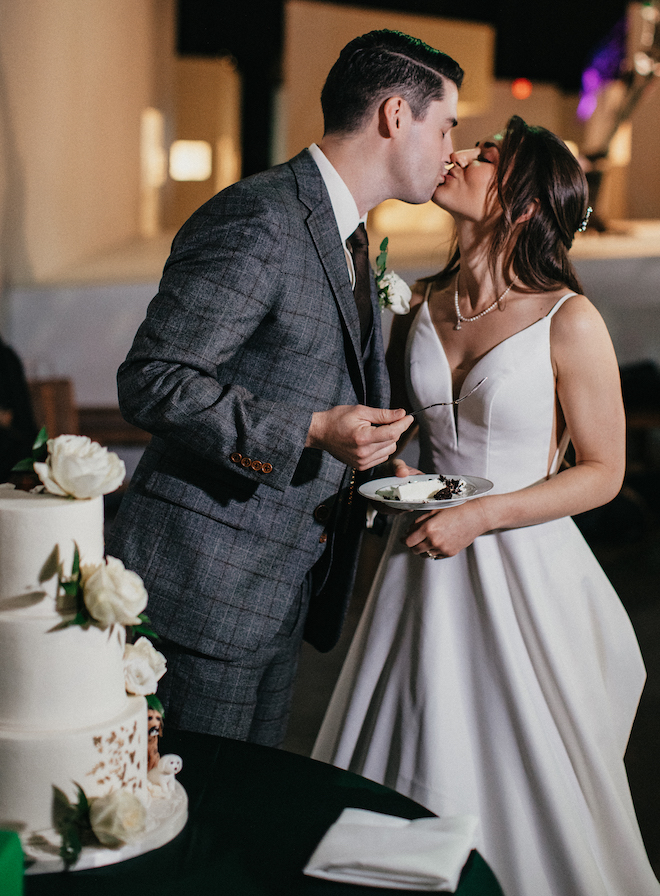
[72, 587]
[71, 821]
[75, 567]
[154, 703]
[143, 629]
[23, 466]
[39, 453]
[40, 446]
[79, 619]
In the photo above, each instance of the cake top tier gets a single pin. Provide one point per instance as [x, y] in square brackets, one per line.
[38, 537]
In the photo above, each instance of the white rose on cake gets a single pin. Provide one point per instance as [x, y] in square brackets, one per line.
[118, 818]
[112, 593]
[394, 293]
[79, 468]
[144, 666]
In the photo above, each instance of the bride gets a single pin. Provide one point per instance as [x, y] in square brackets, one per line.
[494, 671]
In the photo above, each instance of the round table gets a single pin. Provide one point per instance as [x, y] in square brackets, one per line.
[256, 815]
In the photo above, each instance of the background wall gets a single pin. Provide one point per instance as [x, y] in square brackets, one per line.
[75, 76]
[471, 44]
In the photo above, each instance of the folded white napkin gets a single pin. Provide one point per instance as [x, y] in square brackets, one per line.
[378, 850]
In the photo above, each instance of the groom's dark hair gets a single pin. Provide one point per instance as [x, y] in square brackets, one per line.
[378, 65]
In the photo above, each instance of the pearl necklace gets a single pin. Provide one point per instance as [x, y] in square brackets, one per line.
[467, 320]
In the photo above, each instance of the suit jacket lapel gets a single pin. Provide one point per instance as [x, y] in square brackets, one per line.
[323, 230]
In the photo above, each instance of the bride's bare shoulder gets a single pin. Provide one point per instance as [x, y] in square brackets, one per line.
[576, 312]
[578, 330]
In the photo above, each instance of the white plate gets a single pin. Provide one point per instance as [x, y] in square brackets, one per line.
[475, 486]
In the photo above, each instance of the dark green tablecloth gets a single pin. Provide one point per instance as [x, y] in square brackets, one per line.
[256, 816]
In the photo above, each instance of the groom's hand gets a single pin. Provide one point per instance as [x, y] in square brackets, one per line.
[359, 436]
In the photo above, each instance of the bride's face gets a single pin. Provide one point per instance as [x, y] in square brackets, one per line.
[469, 190]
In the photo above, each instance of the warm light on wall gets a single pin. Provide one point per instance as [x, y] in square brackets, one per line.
[191, 160]
[521, 88]
[152, 152]
[228, 162]
[620, 152]
[153, 170]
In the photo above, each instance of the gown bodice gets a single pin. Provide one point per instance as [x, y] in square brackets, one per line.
[503, 431]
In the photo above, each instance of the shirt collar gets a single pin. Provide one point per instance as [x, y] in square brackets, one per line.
[343, 204]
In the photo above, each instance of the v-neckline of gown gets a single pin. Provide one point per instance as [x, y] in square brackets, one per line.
[456, 408]
[490, 351]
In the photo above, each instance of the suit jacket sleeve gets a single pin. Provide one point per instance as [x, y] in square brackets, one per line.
[219, 285]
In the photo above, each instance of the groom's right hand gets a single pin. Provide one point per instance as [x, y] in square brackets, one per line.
[359, 436]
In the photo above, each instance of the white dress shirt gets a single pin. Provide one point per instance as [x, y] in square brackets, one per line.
[343, 204]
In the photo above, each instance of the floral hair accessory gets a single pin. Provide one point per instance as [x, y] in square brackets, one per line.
[393, 292]
[585, 220]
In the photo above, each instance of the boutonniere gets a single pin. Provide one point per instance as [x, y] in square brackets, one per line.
[393, 292]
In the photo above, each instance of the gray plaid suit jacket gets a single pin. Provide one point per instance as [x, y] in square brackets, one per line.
[254, 328]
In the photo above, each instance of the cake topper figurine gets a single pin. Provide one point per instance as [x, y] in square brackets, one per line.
[160, 769]
[161, 778]
[155, 732]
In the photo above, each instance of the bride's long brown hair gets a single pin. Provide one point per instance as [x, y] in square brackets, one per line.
[535, 167]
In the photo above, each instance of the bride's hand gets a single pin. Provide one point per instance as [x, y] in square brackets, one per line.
[443, 533]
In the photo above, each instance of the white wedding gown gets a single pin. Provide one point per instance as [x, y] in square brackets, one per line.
[501, 682]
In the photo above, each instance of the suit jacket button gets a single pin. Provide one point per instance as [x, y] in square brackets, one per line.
[266, 467]
[323, 538]
[322, 513]
[256, 465]
[246, 462]
[236, 457]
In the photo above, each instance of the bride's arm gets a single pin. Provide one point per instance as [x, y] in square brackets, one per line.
[589, 392]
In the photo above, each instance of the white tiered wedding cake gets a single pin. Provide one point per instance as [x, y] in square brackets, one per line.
[67, 723]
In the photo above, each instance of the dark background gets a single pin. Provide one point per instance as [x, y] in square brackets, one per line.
[542, 41]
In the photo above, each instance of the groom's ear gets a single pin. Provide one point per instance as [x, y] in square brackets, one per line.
[392, 116]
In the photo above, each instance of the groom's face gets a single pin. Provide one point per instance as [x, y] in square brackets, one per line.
[424, 155]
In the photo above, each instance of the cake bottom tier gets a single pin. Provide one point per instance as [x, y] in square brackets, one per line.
[99, 758]
[165, 819]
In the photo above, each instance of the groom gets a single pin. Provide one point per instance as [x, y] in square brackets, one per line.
[259, 371]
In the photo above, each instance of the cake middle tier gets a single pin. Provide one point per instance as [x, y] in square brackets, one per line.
[52, 676]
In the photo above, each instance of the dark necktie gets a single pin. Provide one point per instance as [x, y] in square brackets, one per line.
[359, 243]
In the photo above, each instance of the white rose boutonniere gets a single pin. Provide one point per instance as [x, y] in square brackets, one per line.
[396, 292]
[118, 818]
[393, 292]
[79, 468]
[112, 593]
[144, 666]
